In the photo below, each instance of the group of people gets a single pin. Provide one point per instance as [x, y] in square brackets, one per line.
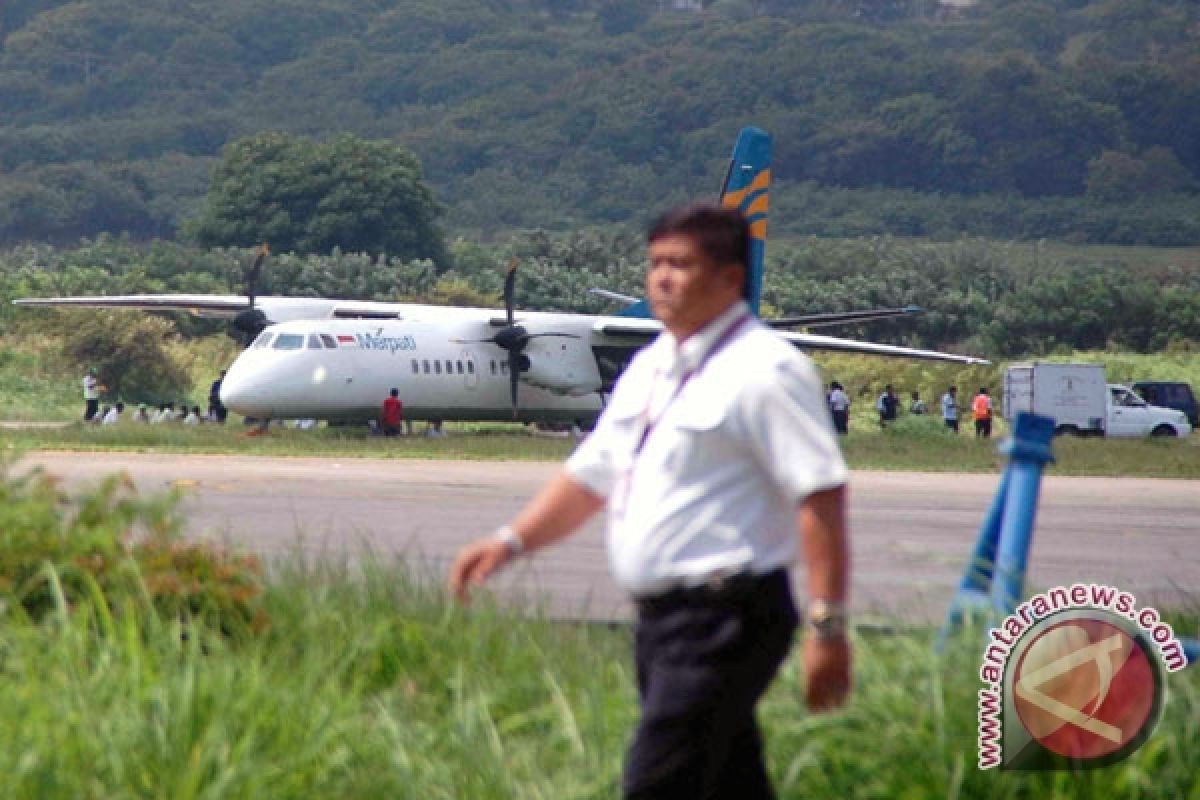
[166, 412]
[887, 405]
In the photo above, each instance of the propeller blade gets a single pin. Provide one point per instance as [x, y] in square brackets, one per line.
[255, 272]
[514, 377]
[550, 333]
[510, 282]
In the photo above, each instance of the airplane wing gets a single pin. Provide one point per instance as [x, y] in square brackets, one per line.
[646, 329]
[813, 341]
[202, 305]
[276, 309]
[842, 317]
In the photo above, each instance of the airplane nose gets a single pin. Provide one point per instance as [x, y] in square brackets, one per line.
[241, 392]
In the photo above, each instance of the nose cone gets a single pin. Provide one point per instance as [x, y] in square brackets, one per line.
[244, 390]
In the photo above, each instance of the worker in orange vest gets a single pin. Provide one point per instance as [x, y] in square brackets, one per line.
[981, 408]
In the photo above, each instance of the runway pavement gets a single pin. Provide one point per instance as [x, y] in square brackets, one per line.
[911, 532]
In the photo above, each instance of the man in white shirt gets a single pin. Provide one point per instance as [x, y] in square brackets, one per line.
[950, 408]
[113, 415]
[91, 395]
[839, 407]
[715, 448]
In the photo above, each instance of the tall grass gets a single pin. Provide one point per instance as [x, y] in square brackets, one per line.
[372, 685]
[368, 682]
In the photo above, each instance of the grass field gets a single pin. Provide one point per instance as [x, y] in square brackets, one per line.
[912, 444]
[374, 686]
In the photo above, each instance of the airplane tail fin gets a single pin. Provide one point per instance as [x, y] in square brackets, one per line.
[747, 188]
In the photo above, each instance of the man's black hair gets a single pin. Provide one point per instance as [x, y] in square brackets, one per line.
[722, 234]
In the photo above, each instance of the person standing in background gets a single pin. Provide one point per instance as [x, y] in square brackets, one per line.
[839, 408]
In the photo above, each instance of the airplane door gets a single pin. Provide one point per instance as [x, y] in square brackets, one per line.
[471, 376]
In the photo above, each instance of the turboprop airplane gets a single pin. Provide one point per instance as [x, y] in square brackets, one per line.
[337, 359]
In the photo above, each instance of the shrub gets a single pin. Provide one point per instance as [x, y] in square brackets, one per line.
[116, 553]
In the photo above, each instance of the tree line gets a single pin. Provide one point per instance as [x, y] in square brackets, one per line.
[996, 299]
[1014, 118]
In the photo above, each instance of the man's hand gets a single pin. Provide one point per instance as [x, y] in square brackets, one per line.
[475, 563]
[827, 671]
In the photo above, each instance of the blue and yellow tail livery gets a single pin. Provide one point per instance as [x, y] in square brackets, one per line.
[748, 188]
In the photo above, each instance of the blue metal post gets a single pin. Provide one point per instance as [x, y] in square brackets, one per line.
[1028, 452]
[1191, 649]
[1002, 549]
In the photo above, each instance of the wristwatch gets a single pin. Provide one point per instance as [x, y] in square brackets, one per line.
[826, 619]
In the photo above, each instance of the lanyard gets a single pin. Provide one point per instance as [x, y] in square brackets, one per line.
[647, 423]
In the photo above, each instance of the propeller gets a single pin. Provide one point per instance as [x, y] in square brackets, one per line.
[252, 321]
[514, 338]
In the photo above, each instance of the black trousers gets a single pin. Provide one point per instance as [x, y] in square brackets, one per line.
[704, 658]
[90, 408]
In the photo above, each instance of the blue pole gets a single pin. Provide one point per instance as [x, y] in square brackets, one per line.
[994, 578]
[1028, 452]
[1191, 649]
[973, 589]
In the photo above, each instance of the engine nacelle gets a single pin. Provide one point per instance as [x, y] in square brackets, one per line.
[561, 365]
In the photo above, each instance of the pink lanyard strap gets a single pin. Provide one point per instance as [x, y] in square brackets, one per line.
[649, 424]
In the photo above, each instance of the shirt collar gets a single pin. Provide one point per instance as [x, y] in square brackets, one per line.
[679, 357]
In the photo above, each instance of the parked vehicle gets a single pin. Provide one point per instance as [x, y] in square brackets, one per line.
[1167, 394]
[1083, 403]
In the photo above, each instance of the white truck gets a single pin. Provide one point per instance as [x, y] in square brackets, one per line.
[1083, 403]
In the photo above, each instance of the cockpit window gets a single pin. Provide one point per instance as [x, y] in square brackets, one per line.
[314, 342]
[289, 341]
[264, 339]
[330, 344]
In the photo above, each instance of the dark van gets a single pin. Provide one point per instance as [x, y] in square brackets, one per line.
[1170, 395]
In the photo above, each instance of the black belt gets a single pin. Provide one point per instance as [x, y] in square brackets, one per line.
[719, 590]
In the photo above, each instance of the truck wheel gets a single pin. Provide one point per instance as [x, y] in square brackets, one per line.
[1163, 431]
[1067, 430]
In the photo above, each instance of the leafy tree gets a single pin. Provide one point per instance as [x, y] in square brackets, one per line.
[127, 352]
[307, 197]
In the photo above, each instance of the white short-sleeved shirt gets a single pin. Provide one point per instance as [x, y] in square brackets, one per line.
[727, 460]
[91, 388]
[949, 407]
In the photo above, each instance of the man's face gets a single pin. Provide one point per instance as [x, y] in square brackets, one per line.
[686, 289]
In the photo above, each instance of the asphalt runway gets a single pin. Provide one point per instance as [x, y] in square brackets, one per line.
[911, 532]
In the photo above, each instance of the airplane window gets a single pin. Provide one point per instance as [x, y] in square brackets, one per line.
[314, 342]
[493, 367]
[470, 367]
[289, 341]
[264, 339]
[459, 365]
[437, 367]
[330, 344]
[449, 367]
[426, 365]
[504, 367]
[416, 367]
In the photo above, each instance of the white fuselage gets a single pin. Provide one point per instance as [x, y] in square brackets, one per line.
[343, 369]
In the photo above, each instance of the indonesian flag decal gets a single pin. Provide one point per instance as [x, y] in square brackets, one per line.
[346, 340]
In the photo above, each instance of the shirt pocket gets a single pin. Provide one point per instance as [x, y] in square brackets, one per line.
[696, 438]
